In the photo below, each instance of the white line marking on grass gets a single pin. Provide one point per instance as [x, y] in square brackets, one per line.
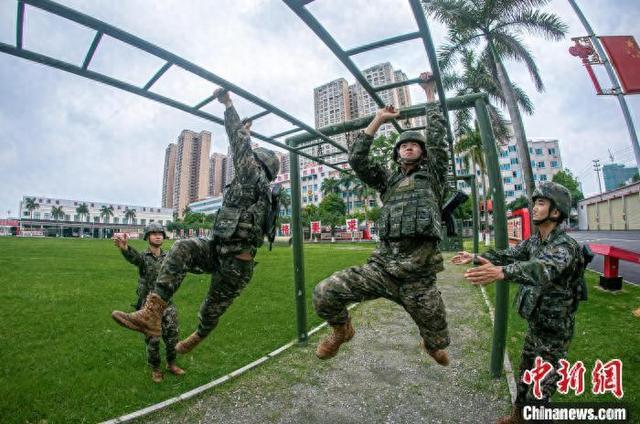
[508, 369]
[191, 393]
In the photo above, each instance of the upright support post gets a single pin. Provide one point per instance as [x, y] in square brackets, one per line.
[298, 252]
[476, 217]
[500, 235]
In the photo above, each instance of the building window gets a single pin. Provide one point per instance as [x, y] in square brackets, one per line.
[517, 187]
[505, 167]
[538, 152]
[47, 216]
[541, 164]
[76, 218]
[48, 200]
[543, 177]
[96, 219]
[116, 220]
[533, 163]
[57, 202]
[143, 221]
[67, 217]
[512, 148]
[552, 151]
[514, 161]
[554, 163]
[506, 180]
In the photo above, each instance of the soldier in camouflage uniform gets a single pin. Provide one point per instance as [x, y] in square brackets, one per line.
[549, 268]
[403, 268]
[148, 264]
[238, 231]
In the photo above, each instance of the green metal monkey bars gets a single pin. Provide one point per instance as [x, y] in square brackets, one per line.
[301, 136]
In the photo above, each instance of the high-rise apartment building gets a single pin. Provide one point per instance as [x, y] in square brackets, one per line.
[169, 175]
[337, 101]
[616, 175]
[545, 163]
[191, 180]
[217, 168]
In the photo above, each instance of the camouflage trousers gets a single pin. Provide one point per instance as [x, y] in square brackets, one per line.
[169, 336]
[416, 292]
[549, 340]
[198, 255]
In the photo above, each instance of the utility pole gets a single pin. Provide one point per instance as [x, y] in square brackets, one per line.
[596, 167]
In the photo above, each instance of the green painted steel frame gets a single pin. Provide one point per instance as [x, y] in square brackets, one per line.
[295, 144]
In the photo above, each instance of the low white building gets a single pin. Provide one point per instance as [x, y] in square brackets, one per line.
[206, 206]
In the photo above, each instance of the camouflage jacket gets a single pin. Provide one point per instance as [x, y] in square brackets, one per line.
[148, 269]
[411, 201]
[548, 271]
[240, 222]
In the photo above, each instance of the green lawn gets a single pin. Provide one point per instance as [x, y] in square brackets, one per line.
[63, 359]
[605, 330]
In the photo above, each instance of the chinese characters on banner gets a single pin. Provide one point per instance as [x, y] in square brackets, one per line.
[605, 377]
[284, 229]
[316, 227]
[352, 224]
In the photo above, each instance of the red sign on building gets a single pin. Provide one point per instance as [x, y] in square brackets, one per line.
[316, 228]
[624, 53]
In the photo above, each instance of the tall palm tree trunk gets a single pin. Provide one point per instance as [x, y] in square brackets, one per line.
[516, 121]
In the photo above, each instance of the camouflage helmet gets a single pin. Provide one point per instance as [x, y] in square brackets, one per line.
[270, 161]
[154, 227]
[415, 136]
[558, 194]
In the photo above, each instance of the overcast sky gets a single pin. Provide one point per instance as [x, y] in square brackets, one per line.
[70, 137]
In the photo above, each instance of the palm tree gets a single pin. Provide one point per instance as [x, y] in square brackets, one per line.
[475, 77]
[285, 201]
[30, 204]
[500, 23]
[329, 185]
[83, 211]
[469, 145]
[57, 213]
[105, 213]
[348, 182]
[129, 214]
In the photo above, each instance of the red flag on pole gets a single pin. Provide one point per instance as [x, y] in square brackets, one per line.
[624, 53]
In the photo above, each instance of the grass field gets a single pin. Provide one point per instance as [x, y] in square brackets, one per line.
[63, 359]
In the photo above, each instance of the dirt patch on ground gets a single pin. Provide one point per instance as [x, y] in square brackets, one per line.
[382, 375]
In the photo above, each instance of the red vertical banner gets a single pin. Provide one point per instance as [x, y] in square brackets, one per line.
[284, 229]
[352, 224]
[624, 54]
[316, 228]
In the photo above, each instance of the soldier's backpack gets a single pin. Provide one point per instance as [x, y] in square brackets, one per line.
[581, 287]
[270, 223]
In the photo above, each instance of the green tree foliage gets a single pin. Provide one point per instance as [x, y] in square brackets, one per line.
[30, 204]
[309, 213]
[332, 211]
[519, 203]
[566, 178]
[373, 214]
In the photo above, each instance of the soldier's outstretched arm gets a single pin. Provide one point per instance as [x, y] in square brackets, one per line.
[545, 268]
[239, 136]
[371, 173]
[132, 256]
[509, 255]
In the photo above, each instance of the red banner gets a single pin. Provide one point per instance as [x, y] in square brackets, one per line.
[284, 229]
[624, 53]
[316, 228]
[352, 224]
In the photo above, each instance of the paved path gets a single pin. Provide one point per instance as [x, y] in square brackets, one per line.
[381, 376]
[629, 240]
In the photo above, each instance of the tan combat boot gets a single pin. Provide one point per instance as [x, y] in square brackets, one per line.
[174, 369]
[440, 355]
[156, 375]
[636, 313]
[328, 348]
[514, 418]
[147, 320]
[188, 344]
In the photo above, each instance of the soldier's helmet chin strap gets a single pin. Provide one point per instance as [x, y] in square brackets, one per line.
[552, 207]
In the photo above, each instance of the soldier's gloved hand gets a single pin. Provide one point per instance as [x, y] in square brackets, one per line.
[222, 95]
[387, 113]
[428, 86]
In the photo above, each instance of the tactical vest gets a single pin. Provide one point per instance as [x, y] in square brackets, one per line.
[410, 209]
[243, 212]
